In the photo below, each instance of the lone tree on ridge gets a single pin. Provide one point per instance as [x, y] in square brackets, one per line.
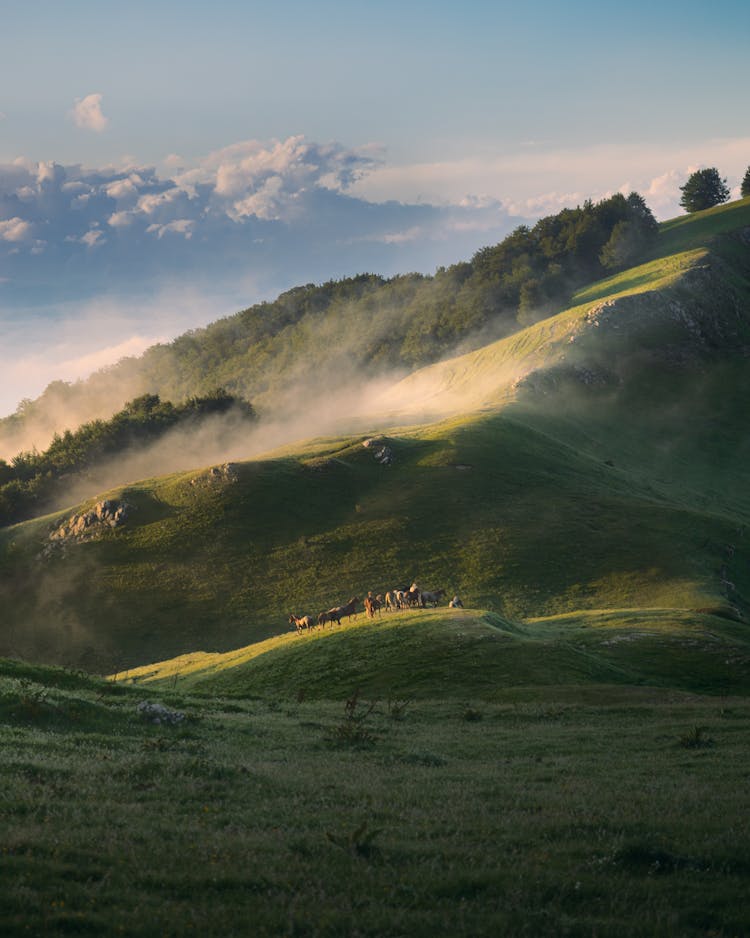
[745, 187]
[704, 189]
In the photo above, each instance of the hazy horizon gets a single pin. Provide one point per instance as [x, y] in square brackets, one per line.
[260, 147]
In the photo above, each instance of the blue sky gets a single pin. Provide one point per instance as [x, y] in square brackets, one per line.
[164, 163]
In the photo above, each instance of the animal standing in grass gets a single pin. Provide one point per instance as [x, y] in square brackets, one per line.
[392, 601]
[349, 610]
[301, 622]
[330, 616]
[430, 596]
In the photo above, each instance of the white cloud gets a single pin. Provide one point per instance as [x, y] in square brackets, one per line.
[264, 203]
[93, 238]
[120, 219]
[543, 180]
[149, 203]
[87, 113]
[256, 178]
[124, 188]
[181, 226]
[14, 229]
[49, 173]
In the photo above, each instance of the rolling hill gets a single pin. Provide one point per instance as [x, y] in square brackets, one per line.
[595, 460]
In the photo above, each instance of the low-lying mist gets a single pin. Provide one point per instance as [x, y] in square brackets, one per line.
[227, 438]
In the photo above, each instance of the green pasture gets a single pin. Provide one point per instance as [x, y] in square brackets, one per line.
[428, 653]
[615, 811]
[514, 519]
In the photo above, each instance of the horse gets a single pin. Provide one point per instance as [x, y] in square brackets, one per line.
[413, 597]
[301, 622]
[372, 605]
[433, 597]
[331, 615]
[456, 603]
[349, 610]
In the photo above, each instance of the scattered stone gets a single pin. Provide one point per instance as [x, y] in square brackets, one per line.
[158, 713]
[383, 454]
[217, 474]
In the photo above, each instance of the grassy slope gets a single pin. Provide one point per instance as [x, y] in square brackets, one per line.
[617, 812]
[572, 500]
[465, 653]
[540, 793]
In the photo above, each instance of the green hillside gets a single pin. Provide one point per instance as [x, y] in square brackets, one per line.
[602, 465]
[276, 353]
[566, 755]
[464, 654]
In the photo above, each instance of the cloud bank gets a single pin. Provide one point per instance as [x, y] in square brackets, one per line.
[107, 244]
[283, 211]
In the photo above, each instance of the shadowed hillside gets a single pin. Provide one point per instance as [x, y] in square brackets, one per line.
[596, 461]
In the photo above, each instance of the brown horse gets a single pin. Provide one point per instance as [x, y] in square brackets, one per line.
[349, 610]
[301, 622]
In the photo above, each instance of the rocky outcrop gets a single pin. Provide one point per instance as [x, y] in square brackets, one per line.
[87, 525]
[382, 453]
[217, 475]
[159, 714]
[696, 319]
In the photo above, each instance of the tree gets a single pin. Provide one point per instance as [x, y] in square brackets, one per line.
[704, 189]
[745, 187]
[630, 237]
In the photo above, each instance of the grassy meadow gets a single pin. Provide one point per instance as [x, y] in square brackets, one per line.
[564, 810]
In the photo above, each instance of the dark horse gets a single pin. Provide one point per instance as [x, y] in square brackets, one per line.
[349, 610]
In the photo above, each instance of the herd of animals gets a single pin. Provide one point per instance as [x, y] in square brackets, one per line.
[393, 600]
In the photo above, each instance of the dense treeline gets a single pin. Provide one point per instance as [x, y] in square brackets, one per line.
[316, 336]
[410, 320]
[32, 478]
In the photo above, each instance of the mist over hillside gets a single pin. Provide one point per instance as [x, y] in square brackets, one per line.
[595, 459]
[317, 346]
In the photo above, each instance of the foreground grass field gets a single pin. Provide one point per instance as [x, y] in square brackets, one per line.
[563, 810]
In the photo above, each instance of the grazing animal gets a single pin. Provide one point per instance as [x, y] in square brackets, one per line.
[390, 600]
[372, 605]
[301, 622]
[349, 610]
[455, 603]
[331, 615]
[413, 597]
[433, 597]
